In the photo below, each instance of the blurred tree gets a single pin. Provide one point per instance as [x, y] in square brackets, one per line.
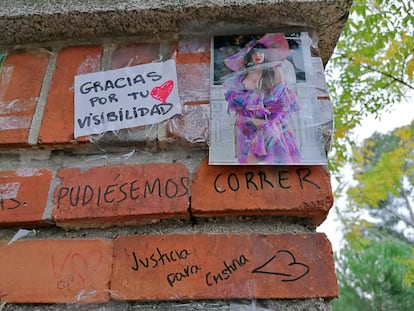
[370, 272]
[371, 69]
[384, 174]
[382, 198]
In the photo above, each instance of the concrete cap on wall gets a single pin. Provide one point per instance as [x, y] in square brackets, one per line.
[29, 21]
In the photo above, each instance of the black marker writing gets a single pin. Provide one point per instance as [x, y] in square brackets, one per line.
[225, 273]
[118, 192]
[158, 258]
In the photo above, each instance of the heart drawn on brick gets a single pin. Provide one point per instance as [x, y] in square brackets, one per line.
[162, 92]
[83, 267]
[284, 264]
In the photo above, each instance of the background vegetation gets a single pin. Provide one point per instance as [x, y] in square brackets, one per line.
[370, 71]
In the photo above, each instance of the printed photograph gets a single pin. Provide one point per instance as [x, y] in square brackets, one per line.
[264, 107]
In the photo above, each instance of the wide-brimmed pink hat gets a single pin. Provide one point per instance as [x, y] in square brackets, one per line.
[277, 49]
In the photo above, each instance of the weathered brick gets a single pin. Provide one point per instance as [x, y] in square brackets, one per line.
[299, 191]
[58, 120]
[193, 70]
[193, 73]
[223, 266]
[193, 58]
[193, 45]
[191, 126]
[21, 80]
[23, 196]
[193, 82]
[108, 195]
[55, 271]
[135, 54]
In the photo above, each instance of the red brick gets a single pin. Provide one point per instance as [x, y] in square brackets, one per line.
[24, 196]
[20, 82]
[135, 54]
[193, 266]
[121, 194]
[193, 45]
[195, 58]
[299, 191]
[58, 120]
[55, 271]
[193, 73]
[192, 125]
[193, 51]
[193, 70]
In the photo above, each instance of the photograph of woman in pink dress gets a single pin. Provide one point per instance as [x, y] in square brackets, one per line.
[257, 94]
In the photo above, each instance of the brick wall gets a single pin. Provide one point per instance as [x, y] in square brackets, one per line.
[37, 91]
[139, 215]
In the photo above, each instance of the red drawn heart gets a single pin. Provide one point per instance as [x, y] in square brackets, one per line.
[162, 92]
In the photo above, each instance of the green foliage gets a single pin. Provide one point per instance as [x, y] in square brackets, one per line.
[409, 275]
[1, 59]
[371, 276]
[372, 67]
[371, 70]
[384, 174]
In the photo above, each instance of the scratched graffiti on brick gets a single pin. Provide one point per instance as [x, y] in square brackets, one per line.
[74, 267]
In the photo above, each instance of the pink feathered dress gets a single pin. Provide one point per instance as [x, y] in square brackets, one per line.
[262, 128]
